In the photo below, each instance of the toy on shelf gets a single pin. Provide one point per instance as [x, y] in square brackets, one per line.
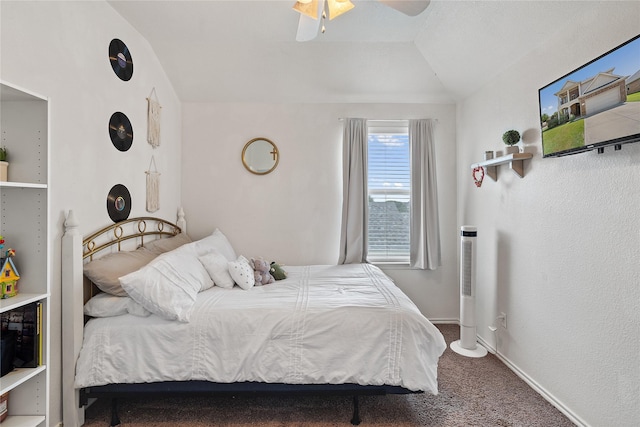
[4, 164]
[9, 275]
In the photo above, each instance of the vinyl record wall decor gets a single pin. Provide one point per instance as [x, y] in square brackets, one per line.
[120, 59]
[118, 203]
[120, 131]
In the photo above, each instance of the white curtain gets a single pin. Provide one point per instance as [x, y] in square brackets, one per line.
[353, 236]
[425, 252]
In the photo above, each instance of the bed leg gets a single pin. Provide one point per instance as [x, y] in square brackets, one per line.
[83, 400]
[356, 412]
[115, 420]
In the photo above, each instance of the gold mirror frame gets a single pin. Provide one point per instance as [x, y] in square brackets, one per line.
[260, 156]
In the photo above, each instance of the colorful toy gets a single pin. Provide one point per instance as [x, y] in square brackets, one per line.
[9, 275]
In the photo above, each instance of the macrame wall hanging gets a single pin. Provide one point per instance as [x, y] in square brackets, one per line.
[153, 187]
[153, 119]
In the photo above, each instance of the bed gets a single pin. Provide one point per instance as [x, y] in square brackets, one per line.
[339, 329]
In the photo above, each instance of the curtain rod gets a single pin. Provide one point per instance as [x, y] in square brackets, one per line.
[383, 120]
[380, 120]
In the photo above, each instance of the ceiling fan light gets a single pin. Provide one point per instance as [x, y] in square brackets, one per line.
[338, 7]
[307, 7]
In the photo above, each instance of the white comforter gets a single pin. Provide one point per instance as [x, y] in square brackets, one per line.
[323, 324]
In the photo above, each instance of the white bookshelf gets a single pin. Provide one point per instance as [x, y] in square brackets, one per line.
[24, 223]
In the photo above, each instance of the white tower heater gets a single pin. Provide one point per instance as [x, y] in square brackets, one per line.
[467, 345]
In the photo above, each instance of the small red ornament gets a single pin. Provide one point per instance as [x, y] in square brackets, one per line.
[478, 179]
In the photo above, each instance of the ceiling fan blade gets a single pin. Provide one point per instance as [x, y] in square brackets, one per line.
[408, 7]
[308, 27]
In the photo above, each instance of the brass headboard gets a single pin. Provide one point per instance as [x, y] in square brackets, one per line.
[133, 228]
[77, 250]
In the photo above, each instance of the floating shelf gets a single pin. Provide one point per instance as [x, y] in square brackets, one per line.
[515, 162]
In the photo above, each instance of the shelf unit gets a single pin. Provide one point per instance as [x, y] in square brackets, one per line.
[24, 224]
[515, 161]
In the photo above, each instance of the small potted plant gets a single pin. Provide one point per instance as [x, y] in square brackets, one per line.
[4, 165]
[511, 138]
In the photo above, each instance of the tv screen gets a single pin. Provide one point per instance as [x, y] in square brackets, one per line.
[594, 106]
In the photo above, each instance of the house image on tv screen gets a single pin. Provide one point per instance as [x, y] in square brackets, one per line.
[633, 83]
[595, 106]
[593, 95]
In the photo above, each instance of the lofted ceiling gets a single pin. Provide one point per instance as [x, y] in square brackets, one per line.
[245, 51]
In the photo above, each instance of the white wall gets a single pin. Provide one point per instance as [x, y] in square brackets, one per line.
[559, 250]
[293, 214]
[60, 50]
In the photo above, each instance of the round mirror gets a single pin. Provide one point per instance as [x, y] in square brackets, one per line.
[260, 156]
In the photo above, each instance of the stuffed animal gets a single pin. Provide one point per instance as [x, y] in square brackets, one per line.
[261, 272]
[277, 271]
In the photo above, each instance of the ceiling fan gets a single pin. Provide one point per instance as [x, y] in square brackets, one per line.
[313, 13]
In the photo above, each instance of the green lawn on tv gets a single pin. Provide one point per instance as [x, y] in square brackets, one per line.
[633, 97]
[563, 137]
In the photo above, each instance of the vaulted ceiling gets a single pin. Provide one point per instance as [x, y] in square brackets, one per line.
[245, 51]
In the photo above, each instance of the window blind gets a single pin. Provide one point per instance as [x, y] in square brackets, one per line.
[389, 187]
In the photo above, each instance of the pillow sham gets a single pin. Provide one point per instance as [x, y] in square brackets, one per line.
[169, 284]
[217, 241]
[242, 273]
[106, 305]
[218, 268]
[167, 244]
[105, 271]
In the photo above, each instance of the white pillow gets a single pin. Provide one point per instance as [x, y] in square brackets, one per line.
[242, 273]
[169, 284]
[106, 305]
[205, 280]
[218, 268]
[217, 241]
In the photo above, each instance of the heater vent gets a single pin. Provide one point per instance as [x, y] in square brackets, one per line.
[467, 259]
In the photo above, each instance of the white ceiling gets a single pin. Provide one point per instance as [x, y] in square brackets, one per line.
[245, 51]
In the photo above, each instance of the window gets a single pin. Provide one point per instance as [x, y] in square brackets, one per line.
[389, 186]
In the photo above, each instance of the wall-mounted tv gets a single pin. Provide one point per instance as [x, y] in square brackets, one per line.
[594, 106]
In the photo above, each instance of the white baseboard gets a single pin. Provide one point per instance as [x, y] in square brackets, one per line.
[530, 381]
[534, 385]
[445, 321]
[491, 349]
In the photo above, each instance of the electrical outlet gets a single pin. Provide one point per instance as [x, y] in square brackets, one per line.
[503, 320]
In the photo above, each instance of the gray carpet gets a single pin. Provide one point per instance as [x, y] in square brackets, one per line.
[472, 392]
